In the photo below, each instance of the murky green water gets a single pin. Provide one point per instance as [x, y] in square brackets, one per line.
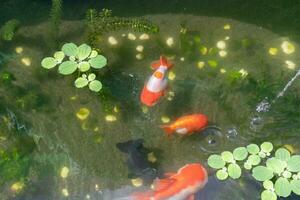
[41, 134]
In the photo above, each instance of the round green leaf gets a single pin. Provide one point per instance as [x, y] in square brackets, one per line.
[91, 77]
[268, 195]
[268, 185]
[227, 156]
[216, 161]
[262, 154]
[59, 56]
[84, 66]
[247, 166]
[98, 62]
[266, 147]
[221, 175]
[295, 185]
[48, 63]
[81, 82]
[283, 187]
[93, 54]
[240, 153]
[293, 164]
[276, 165]
[95, 85]
[70, 49]
[84, 51]
[282, 154]
[67, 67]
[234, 171]
[253, 149]
[262, 173]
[254, 159]
[287, 174]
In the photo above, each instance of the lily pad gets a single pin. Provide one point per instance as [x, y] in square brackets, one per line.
[216, 161]
[95, 86]
[234, 171]
[84, 66]
[276, 165]
[240, 153]
[282, 154]
[59, 56]
[293, 164]
[84, 51]
[98, 62]
[91, 77]
[254, 159]
[221, 175]
[49, 62]
[266, 147]
[253, 149]
[283, 187]
[67, 67]
[268, 195]
[295, 185]
[227, 156]
[262, 173]
[81, 82]
[70, 49]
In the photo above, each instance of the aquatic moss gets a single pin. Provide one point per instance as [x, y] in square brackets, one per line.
[55, 21]
[8, 30]
[103, 21]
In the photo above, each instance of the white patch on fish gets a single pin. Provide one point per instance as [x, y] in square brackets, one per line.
[181, 131]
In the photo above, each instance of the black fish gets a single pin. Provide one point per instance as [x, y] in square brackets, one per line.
[137, 162]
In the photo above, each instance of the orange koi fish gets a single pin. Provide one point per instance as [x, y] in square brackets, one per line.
[186, 125]
[180, 186]
[157, 83]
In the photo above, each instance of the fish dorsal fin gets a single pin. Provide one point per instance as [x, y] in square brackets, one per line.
[160, 184]
[191, 197]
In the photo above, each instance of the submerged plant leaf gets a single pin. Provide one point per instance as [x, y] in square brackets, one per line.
[283, 187]
[59, 56]
[95, 86]
[221, 174]
[262, 173]
[84, 51]
[266, 147]
[216, 161]
[67, 67]
[268, 195]
[282, 154]
[81, 82]
[227, 156]
[293, 164]
[268, 185]
[253, 149]
[98, 62]
[84, 66]
[234, 171]
[276, 165]
[70, 49]
[295, 185]
[240, 153]
[49, 62]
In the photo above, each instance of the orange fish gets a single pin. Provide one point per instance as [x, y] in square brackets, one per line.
[180, 186]
[186, 125]
[157, 83]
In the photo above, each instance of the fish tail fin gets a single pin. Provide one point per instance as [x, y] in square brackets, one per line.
[142, 196]
[168, 129]
[161, 62]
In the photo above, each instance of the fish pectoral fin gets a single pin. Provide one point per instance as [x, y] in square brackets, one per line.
[160, 184]
[191, 197]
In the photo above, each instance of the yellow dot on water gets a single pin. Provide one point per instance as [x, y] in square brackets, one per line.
[170, 41]
[17, 186]
[64, 172]
[182, 59]
[65, 192]
[96, 129]
[145, 109]
[139, 48]
[137, 182]
[83, 113]
[73, 97]
[223, 53]
[171, 75]
[287, 47]
[139, 56]
[226, 27]
[131, 36]
[112, 40]
[200, 64]
[110, 118]
[26, 61]
[273, 51]
[165, 119]
[19, 50]
[203, 50]
[243, 72]
[223, 71]
[221, 44]
[116, 109]
[144, 36]
[290, 147]
[151, 157]
[290, 64]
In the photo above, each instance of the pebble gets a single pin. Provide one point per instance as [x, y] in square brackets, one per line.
[26, 61]
[223, 53]
[221, 44]
[144, 36]
[110, 118]
[19, 50]
[287, 47]
[112, 40]
[140, 48]
[290, 64]
[170, 41]
[139, 56]
[64, 172]
[131, 36]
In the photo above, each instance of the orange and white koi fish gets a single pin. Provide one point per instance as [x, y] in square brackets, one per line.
[180, 186]
[186, 125]
[157, 83]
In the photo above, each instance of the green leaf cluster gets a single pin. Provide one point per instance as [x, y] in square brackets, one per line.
[7, 31]
[81, 58]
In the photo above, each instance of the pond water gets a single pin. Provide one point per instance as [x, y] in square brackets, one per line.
[59, 142]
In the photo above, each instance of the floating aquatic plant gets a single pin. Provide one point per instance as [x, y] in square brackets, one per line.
[81, 58]
[280, 173]
[7, 31]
